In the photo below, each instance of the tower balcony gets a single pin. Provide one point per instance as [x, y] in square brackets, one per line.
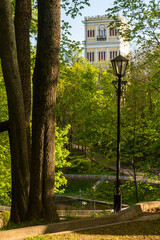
[101, 38]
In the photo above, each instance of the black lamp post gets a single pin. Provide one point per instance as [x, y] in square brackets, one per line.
[119, 65]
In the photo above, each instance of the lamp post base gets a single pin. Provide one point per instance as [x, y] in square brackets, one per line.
[117, 202]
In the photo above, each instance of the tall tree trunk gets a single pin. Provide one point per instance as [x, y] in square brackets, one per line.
[22, 27]
[135, 180]
[134, 163]
[41, 202]
[17, 126]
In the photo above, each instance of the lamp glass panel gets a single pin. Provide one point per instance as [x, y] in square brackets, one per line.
[118, 67]
[124, 64]
[114, 68]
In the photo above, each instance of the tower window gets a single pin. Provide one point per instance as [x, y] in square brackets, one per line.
[90, 56]
[90, 33]
[101, 31]
[113, 32]
[102, 56]
[113, 54]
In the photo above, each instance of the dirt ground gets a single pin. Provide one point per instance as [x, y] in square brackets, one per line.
[148, 230]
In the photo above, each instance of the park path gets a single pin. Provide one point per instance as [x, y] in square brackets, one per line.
[88, 177]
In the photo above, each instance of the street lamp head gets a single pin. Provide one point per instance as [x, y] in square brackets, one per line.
[119, 65]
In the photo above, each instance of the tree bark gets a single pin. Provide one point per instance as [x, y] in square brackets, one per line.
[41, 202]
[17, 133]
[22, 27]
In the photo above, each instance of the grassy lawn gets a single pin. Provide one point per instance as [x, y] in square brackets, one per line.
[149, 230]
[77, 188]
[104, 191]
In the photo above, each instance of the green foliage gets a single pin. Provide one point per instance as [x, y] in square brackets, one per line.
[70, 51]
[143, 20]
[34, 20]
[105, 191]
[5, 165]
[90, 108]
[74, 7]
[140, 128]
[61, 152]
[79, 164]
[82, 93]
[102, 191]
[5, 216]
[5, 175]
[5, 159]
[147, 192]
[3, 100]
[102, 214]
[5, 170]
[36, 238]
[87, 101]
[61, 158]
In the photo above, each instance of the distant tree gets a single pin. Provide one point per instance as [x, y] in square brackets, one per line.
[86, 102]
[142, 95]
[143, 20]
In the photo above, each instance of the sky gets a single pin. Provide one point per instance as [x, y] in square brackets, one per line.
[97, 7]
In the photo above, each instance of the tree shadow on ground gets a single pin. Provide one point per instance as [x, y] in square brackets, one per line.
[131, 229]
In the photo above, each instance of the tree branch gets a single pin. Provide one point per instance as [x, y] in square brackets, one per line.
[4, 126]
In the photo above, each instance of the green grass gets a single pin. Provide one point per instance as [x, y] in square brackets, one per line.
[77, 188]
[10, 225]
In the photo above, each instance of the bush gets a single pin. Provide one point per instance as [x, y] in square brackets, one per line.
[105, 191]
[5, 216]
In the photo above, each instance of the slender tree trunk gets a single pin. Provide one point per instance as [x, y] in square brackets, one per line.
[17, 126]
[22, 27]
[85, 151]
[135, 181]
[134, 166]
[41, 203]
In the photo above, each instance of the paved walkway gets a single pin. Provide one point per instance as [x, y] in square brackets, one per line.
[140, 178]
